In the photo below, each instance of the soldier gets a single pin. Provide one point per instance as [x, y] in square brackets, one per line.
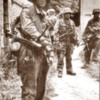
[66, 36]
[51, 12]
[32, 63]
[91, 37]
[51, 18]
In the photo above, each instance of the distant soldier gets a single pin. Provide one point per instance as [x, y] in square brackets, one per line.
[66, 39]
[91, 37]
[51, 19]
[51, 12]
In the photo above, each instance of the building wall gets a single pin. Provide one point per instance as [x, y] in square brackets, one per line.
[1, 23]
[73, 4]
[88, 5]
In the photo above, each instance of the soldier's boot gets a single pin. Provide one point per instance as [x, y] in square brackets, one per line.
[86, 65]
[60, 74]
[70, 71]
[69, 67]
[27, 94]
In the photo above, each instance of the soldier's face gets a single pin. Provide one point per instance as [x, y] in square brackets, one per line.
[67, 15]
[41, 3]
[96, 15]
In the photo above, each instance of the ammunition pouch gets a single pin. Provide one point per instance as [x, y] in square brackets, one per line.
[64, 38]
[71, 38]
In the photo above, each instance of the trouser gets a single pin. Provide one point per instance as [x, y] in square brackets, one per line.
[33, 71]
[96, 50]
[60, 54]
[69, 51]
[93, 45]
[67, 54]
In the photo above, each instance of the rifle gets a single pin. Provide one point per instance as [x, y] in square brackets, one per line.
[86, 44]
[75, 41]
[63, 35]
[94, 32]
[89, 37]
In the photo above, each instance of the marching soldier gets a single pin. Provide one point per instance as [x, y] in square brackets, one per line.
[66, 37]
[32, 63]
[91, 37]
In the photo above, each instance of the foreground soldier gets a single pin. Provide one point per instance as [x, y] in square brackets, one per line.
[33, 65]
[91, 37]
[66, 37]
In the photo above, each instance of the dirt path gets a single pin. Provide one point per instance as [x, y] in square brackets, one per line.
[79, 87]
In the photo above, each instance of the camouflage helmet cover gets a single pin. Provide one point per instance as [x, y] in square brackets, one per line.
[96, 11]
[50, 10]
[66, 10]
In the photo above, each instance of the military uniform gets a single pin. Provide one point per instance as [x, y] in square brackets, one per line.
[33, 66]
[91, 37]
[66, 35]
[51, 20]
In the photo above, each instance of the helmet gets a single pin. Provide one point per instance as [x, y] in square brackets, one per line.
[66, 10]
[50, 10]
[96, 10]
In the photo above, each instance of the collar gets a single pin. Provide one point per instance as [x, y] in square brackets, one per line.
[66, 19]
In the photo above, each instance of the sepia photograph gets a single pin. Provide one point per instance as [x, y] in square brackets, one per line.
[49, 49]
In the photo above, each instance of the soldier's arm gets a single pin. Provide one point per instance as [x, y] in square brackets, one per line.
[27, 25]
[56, 27]
[74, 33]
[55, 31]
[87, 29]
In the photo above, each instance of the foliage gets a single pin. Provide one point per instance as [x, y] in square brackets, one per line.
[8, 63]
[58, 4]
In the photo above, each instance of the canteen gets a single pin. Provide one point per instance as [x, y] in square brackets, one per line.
[15, 46]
